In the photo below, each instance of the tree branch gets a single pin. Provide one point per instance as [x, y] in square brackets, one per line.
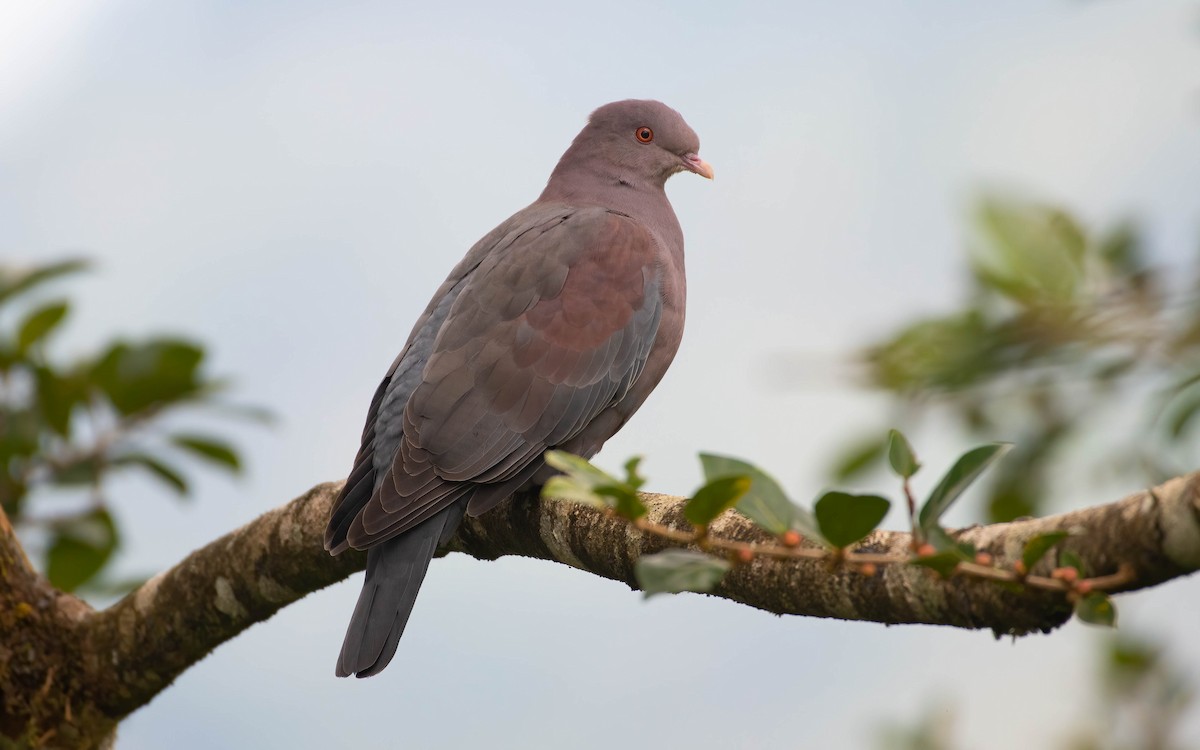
[138, 646]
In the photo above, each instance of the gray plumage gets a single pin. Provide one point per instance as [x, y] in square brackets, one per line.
[550, 333]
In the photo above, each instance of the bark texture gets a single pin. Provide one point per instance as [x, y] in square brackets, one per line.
[68, 674]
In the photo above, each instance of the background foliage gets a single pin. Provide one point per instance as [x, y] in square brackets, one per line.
[65, 426]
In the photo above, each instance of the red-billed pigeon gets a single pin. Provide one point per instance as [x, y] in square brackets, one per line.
[550, 333]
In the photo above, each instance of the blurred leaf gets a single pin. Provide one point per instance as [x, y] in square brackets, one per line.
[80, 548]
[1037, 547]
[1129, 659]
[39, 324]
[1121, 248]
[580, 469]
[632, 477]
[57, 395]
[568, 488]
[18, 435]
[1030, 253]
[965, 471]
[1184, 408]
[215, 451]
[844, 519]
[939, 354]
[13, 283]
[944, 562]
[765, 503]
[676, 570]
[158, 372]
[588, 481]
[165, 473]
[858, 458]
[625, 500]
[83, 471]
[1096, 608]
[1010, 501]
[714, 498]
[900, 455]
[1068, 559]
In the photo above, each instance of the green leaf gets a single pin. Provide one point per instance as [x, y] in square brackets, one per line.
[562, 487]
[844, 519]
[80, 472]
[1030, 253]
[944, 562]
[156, 373]
[39, 323]
[1068, 559]
[589, 481]
[632, 477]
[580, 469]
[1121, 248]
[14, 283]
[900, 455]
[1096, 608]
[764, 503]
[857, 458]
[715, 498]
[212, 450]
[965, 471]
[165, 473]
[676, 570]
[1131, 659]
[1037, 547]
[625, 500]
[57, 396]
[81, 547]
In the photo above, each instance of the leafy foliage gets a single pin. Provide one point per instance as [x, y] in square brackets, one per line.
[765, 502]
[840, 520]
[587, 484]
[716, 497]
[1037, 547]
[71, 424]
[1064, 328]
[964, 472]
[676, 570]
[845, 519]
[900, 455]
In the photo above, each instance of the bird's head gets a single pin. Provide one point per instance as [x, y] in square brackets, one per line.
[634, 142]
[648, 137]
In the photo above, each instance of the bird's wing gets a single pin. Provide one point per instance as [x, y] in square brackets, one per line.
[543, 337]
[385, 418]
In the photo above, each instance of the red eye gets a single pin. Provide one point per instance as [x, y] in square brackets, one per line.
[645, 134]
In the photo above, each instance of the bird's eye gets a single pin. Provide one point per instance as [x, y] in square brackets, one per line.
[644, 134]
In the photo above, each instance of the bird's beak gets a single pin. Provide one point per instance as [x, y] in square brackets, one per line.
[693, 163]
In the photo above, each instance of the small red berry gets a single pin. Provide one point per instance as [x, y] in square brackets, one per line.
[1069, 575]
[791, 539]
[984, 558]
[926, 550]
[868, 569]
[1019, 568]
[744, 556]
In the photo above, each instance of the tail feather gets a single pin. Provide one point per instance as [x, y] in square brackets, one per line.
[395, 570]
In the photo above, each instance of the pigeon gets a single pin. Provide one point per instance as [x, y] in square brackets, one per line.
[549, 334]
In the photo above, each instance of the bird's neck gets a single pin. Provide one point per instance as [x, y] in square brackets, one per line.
[594, 182]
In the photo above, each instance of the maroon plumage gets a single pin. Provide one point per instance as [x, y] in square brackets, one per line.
[550, 333]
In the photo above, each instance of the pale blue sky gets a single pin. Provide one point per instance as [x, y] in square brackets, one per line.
[291, 181]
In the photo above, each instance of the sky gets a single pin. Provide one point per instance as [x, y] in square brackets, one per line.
[289, 183]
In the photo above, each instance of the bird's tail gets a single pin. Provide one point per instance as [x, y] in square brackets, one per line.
[395, 570]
